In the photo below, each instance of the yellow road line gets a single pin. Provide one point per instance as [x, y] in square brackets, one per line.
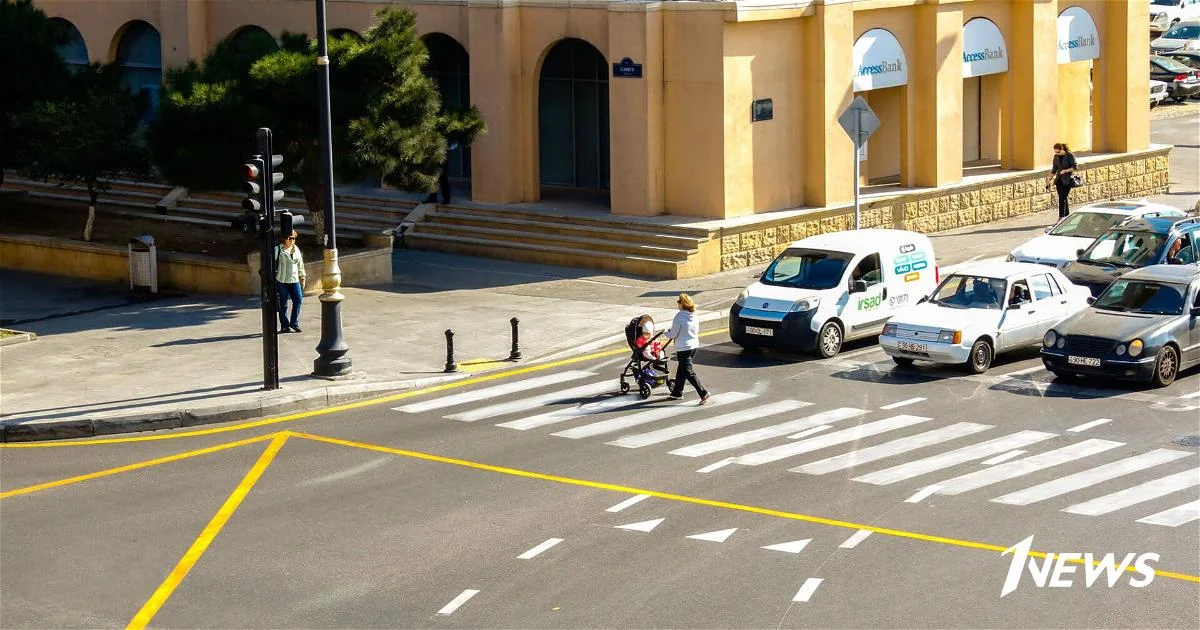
[328, 410]
[130, 467]
[206, 537]
[899, 533]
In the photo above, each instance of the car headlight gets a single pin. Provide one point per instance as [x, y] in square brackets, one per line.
[889, 329]
[950, 336]
[805, 304]
[1062, 341]
[1049, 339]
[1135, 347]
[741, 298]
[1120, 349]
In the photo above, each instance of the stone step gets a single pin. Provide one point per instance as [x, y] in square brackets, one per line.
[556, 240]
[564, 228]
[629, 224]
[551, 255]
[348, 219]
[81, 193]
[354, 203]
[82, 200]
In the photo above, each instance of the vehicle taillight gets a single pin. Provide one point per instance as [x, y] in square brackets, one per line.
[1181, 77]
[937, 274]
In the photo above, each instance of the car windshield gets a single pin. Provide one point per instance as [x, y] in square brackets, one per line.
[1183, 32]
[1170, 65]
[1165, 3]
[1086, 224]
[1139, 296]
[807, 269]
[1187, 60]
[1117, 248]
[969, 292]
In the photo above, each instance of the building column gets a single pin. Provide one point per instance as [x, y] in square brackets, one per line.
[1032, 103]
[637, 175]
[500, 159]
[936, 123]
[1121, 90]
[827, 71]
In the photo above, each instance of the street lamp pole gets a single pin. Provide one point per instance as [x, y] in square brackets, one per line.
[332, 359]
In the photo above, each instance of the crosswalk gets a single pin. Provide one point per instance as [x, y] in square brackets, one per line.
[915, 453]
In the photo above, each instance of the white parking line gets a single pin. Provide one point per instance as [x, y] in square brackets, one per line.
[853, 540]
[1191, 395]
[922, 494]
[716, 465]
[807, 589]
[458, 601]
[1087, 425]
[628, 502]
[897, 405]
[1003, 457]
[1028, 370]
[539, 549]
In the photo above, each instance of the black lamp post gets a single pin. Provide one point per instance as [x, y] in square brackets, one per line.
[332, 349]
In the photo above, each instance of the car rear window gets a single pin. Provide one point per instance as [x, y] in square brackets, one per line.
[1170, 65]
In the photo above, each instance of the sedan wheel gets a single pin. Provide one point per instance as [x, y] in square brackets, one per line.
[829, 340]
[981, 357]
[1166, 367]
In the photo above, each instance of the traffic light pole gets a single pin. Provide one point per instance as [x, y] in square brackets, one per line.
[270, 296]
[332, 349]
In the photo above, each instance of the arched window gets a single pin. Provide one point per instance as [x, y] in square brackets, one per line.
[74, 53]
[573, 116]
[140, 53]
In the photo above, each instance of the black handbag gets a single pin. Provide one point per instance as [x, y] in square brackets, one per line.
[1076, 180]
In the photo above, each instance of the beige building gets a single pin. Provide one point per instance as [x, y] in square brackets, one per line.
[721, 109]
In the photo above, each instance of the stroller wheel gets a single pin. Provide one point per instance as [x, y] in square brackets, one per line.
[624, 387]
[644, 390]
[671, 384]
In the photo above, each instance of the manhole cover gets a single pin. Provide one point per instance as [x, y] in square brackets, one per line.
[1188, 440]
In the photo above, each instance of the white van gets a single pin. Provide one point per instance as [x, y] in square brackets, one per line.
[831, 288]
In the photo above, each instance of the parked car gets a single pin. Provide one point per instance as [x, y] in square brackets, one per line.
[1183, 35]
[1144, 327]
[1134, 244]
[1167, 13]
[1062, 241]
[825, 289]
[1182, 81]
[1158, 93]
[1190, 58]
[980, 311]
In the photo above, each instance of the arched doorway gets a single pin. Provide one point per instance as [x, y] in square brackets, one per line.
[449, 67]
[339, 33]
[573, 116]
[254, 39]
[139, 52]
[74, 53]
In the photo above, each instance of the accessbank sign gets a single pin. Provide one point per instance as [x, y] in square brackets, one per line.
[1078, 39]
[983, 49]
[879, 61]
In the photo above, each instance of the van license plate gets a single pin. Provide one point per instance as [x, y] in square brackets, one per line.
[755, 330]
[1083, 361]
[912, 347]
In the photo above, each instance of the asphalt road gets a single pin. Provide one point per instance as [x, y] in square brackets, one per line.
[807, 493]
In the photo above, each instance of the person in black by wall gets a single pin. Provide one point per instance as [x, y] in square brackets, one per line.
[443, 180]
[1060, 176]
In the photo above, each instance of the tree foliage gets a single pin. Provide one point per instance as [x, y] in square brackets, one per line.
[89, 136]
[387, 117]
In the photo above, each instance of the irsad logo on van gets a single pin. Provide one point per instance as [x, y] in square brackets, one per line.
[868, 303]
[1054, 571]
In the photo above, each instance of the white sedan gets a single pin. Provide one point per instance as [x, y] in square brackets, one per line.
[980, 311]
[1062, 241]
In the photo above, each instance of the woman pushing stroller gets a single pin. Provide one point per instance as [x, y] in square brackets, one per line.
[685, 332]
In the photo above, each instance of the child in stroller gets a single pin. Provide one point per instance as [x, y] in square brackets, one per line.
[648, 363]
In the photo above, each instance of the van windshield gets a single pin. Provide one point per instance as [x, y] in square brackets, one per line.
[807, 269]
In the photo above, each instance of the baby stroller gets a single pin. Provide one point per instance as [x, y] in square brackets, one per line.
[647, 373]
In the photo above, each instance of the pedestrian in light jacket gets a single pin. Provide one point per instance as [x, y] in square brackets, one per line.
[1060, 175]
[289, 282]
[685, 331]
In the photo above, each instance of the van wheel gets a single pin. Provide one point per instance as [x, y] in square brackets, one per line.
[829, 340]
[981, 357]
[1165, 368]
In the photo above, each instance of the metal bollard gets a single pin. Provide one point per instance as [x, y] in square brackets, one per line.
[515, 355]
[451, 366]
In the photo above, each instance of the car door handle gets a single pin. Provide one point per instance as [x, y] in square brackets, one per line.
[1063, 302]
[1032, 312]
[884, 293]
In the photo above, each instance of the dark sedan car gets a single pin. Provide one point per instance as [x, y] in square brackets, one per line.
[1135, 243]
[1182, 81]
[1145, 327]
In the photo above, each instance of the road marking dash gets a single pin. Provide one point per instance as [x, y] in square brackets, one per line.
[896, 405]
[1003, 457]
[923, 493]
[853, 541]
[716, 465]
[1175, 516]
[806, 591]
[539, 549]
[1087, 425]
[628, 502]
[1021, 372]
[1191, 395]
[458, 601]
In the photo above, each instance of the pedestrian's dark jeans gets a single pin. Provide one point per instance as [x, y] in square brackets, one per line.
[1063, 208]
[289, 291]
[685, 370]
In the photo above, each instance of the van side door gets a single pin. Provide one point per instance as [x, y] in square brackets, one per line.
[866, 311]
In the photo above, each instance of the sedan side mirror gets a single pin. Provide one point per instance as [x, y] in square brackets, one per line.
[1195, 311]
[1078, 253]
[1091, 300]
[1048, 228]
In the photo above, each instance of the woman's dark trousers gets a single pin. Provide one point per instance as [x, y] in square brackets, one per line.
[1063, 208]
[686, 371]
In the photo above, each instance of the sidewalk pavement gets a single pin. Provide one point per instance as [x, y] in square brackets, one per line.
[101, 364]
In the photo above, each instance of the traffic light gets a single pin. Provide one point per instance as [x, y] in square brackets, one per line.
[254, 204]
[276, 179]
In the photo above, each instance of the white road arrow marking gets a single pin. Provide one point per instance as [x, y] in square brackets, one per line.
[643, 526]
[719, 536]
[796, 546]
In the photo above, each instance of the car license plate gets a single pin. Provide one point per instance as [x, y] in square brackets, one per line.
[755, 330]
[1083, 361]
[912, 347]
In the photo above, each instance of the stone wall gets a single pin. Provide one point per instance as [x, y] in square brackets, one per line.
[1105, 177]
